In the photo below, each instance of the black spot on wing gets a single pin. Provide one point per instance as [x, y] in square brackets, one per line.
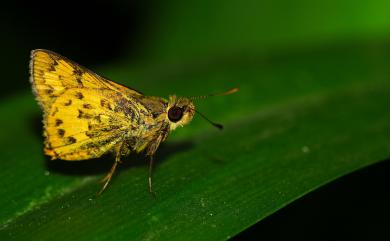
[61, 132]
[52, 68]
[79, 95]
[83, 115]
[70, 140]
[79, 81]
[59, 122]
[68, 103]
[87, 106]
[105, 104]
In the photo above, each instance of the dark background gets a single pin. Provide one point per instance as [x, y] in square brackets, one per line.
[91, 33]
[353, 207]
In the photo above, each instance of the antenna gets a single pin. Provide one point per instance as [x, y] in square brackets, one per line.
[228, 92]
[219, 126]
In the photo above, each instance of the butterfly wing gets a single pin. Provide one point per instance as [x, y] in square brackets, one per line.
[85, 123]
[52, 74]
[85, 115]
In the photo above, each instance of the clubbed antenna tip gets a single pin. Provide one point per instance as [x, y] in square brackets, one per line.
[228, 92]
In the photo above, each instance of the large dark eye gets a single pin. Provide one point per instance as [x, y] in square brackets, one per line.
[175, 114]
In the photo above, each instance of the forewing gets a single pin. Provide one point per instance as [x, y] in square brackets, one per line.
[52, 74]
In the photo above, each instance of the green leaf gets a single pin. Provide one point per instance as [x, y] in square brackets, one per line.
[303, 117]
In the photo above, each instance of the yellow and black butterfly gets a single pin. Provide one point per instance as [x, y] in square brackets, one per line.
[86, 115]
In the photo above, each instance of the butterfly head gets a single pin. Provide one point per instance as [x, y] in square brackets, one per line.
[180, 111]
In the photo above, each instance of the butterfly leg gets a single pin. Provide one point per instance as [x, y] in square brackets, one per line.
[151, 151]
[150, 175]
[109, 175]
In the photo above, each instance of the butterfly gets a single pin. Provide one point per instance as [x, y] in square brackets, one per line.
[86, 115]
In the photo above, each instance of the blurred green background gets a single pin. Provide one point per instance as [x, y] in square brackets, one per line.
[174, 38]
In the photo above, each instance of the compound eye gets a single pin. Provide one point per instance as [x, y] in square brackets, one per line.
[175, 114]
